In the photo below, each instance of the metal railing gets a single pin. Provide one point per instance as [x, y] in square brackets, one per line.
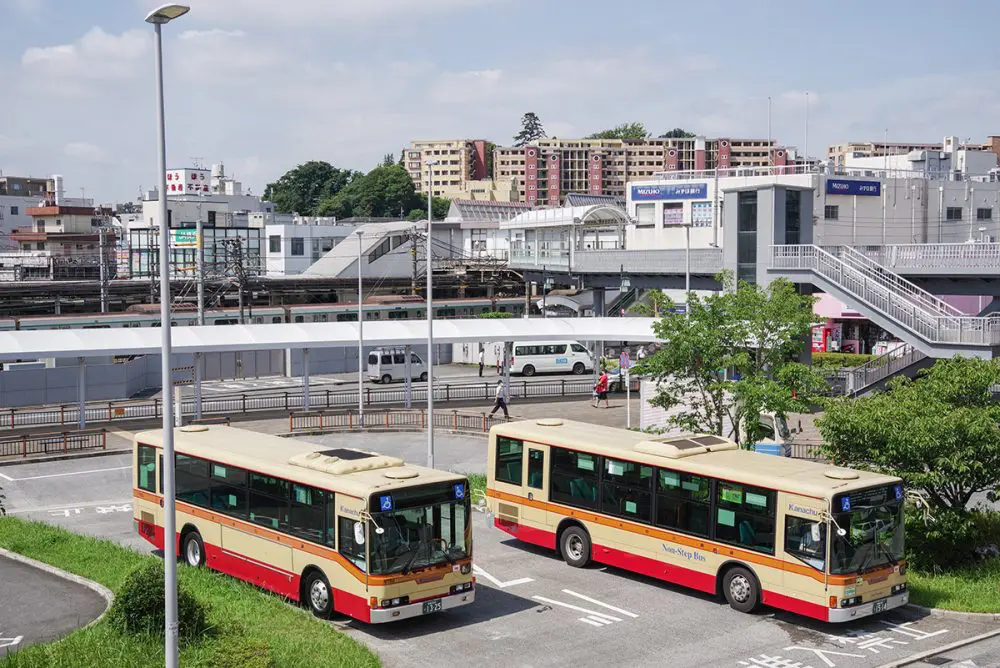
[124, 411]
[27, 445]
[880, 368]
[392, 420]
[932, 256]
[902, 302]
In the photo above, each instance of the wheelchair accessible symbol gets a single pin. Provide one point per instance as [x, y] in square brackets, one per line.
[385, 503]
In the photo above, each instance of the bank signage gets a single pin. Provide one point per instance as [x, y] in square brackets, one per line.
[849, 187]
[655, 193]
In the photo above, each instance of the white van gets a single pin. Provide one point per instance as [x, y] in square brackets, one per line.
[551, 357]
[388, 364]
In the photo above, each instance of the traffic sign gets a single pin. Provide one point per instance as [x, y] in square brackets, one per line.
[185, 237]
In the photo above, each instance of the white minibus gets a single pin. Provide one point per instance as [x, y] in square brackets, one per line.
[551, 357]
[388, 364]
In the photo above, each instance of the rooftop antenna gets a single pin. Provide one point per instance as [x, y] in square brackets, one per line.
[196, 163]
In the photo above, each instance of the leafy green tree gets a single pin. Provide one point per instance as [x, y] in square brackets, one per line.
[756, 333]
[439, 206]
[531, 130]
[940, 433]
[633, 130]
[676, 133]
[385, 191]
[389, 159]
[301, 189]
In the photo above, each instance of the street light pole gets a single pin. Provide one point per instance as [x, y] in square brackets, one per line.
[158, 17]
[430, 317]
[361, 340]
[687, 270]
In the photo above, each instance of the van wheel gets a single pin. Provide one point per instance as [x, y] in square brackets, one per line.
[741, 590]
[386, 379]
[528, 370]
[579, 368]
[423, 377]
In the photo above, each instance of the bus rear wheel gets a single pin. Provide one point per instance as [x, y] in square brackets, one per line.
[741, 590]
[319, 596]
[193, 549]
[574, 545]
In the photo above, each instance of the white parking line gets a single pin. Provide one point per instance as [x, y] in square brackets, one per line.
[604, 605]
[63, 475]
[496, 581]
[592, 623]
[88, 504]
[577, 608]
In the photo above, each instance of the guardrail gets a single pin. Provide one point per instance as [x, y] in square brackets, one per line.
[59, 442]
[392, 420]
[124, 411]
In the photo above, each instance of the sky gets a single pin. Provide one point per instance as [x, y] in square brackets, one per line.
[264, 85]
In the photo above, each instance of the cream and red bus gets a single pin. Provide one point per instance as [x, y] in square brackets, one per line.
[343, 530]
[696, 510]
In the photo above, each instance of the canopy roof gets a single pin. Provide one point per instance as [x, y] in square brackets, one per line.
[596, 214]
[146, 341]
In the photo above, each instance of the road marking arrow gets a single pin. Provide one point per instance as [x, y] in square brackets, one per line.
[496, 582]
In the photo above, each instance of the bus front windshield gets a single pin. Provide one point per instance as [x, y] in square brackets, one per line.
[421, 527]
[873, 524]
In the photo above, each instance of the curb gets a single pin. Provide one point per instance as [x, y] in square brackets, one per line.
[955, 614]
[100, 589]
[57, 458]
[940, 650]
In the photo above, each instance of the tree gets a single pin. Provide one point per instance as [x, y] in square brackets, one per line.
[754, 332]
[531, 130]
[385, 191]
[490, 150]
[300, 190]
[676, 133]
[940, 433]
[633, 130]
[439, 207]
[389, 159]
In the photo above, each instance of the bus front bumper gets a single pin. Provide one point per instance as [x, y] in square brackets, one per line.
[380, 615]
[868, 609]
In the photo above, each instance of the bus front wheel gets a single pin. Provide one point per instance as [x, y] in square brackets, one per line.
[575, 547]
[741, 590]
[193, 550]
[319, 596]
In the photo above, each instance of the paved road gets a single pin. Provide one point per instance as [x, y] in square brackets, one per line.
[39, 607]
[983, 654]
[533, 610]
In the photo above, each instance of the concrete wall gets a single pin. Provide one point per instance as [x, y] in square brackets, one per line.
[59, 384]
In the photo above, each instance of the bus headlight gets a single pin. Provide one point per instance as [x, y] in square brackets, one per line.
[394, 602]
[898, 588]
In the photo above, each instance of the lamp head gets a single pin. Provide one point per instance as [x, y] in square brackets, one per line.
[167, 13]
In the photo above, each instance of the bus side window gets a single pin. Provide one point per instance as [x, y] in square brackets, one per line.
[509, 454]
[536, 464]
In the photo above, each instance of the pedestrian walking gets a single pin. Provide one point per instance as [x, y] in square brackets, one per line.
[601, 390]
[482, 355]
[500, 400]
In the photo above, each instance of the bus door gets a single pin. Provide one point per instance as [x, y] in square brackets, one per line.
[535, 483]
[804, 544]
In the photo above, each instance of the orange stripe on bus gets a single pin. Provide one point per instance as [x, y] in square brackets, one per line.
[311, 548]
[687, 541]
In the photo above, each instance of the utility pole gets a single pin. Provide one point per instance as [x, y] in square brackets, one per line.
[413, 255]
[104, 271]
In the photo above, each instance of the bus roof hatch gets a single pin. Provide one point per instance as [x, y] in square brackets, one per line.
[676, 447]
[341, 461]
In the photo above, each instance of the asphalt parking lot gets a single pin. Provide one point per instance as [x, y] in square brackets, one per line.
[531, 609]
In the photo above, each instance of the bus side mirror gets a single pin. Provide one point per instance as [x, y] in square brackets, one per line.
[359, 533]
[841, 532]
[814, 530]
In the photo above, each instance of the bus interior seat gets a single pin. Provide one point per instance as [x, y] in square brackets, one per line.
[747, 534]
[535, 479]
[583, 489]
[514, 470]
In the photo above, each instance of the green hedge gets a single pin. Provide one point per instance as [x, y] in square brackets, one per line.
[839, 360]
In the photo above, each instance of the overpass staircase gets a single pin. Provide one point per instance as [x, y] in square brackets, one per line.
[928, 324]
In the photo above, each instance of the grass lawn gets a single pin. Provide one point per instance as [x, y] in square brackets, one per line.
[973, 589]
[250, 628]
[477, 486]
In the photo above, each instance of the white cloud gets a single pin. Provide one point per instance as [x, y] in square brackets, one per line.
[331, 14]
[95, 56]
[209, 34]
[86, 152]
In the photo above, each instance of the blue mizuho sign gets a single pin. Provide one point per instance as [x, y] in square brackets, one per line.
[667, 191]
[849, 187]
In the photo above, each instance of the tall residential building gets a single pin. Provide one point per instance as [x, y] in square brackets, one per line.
[459, 161]
[839, 154]
[548, 169]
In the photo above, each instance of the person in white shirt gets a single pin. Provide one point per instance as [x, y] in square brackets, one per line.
[481, 357]
[500, 402]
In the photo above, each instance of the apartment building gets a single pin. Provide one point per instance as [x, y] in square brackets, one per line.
[840, 154]
[459, 162]
[546, 170]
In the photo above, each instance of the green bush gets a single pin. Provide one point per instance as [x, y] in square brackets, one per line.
[240, 651]
[839, 360]
[496, 315]
[138, 606]
[946, 539]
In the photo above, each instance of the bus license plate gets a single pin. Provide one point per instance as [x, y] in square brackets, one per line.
[432, 606]
[877, 606]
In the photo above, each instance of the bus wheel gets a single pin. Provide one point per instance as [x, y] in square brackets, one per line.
[741, 590]
[318, 595]
[386, 379]
[578, 368]
[528, 370]
[423, 377]
[575, 547]
[193, 550]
